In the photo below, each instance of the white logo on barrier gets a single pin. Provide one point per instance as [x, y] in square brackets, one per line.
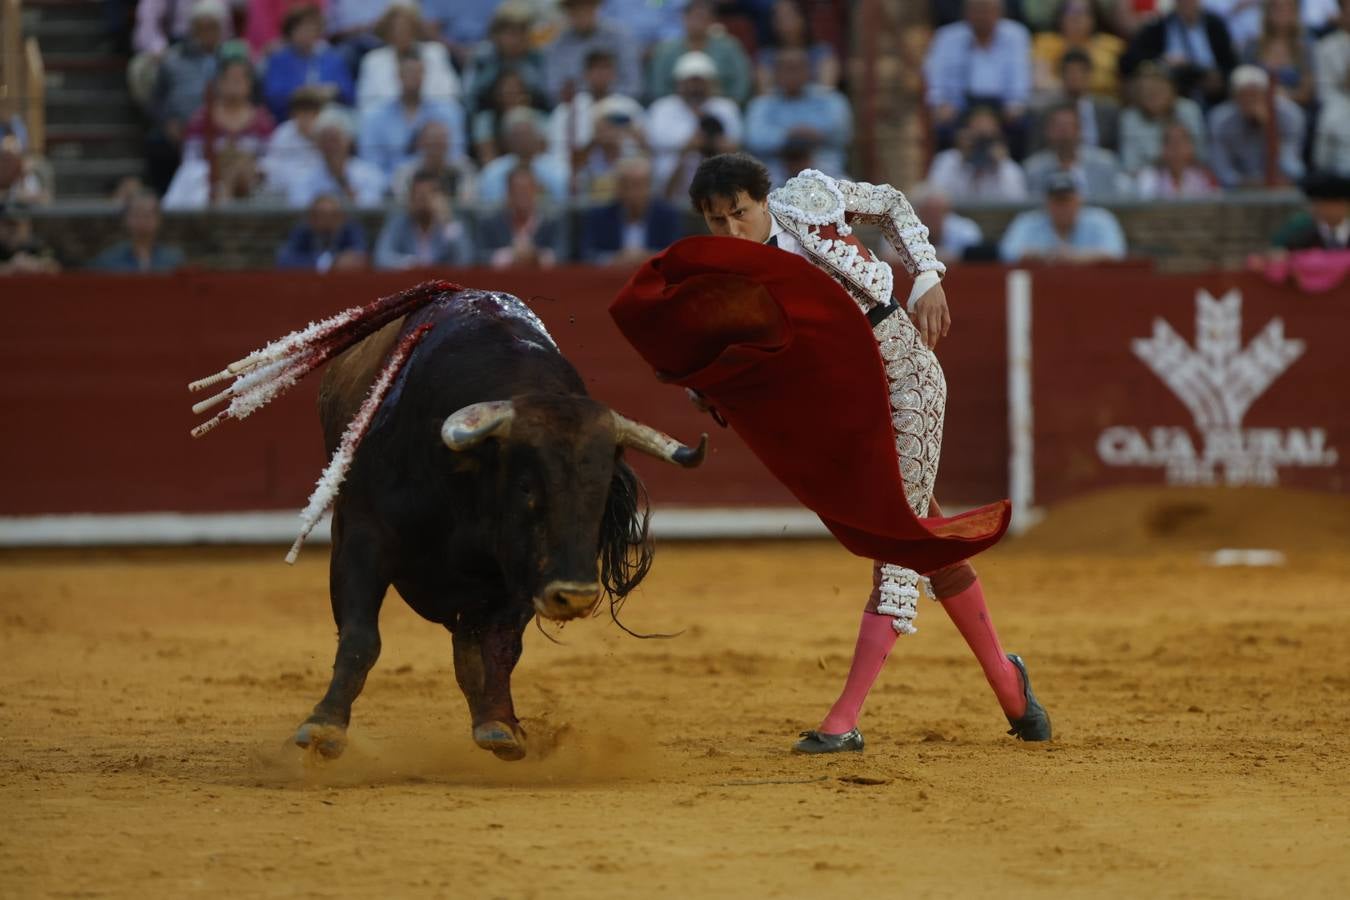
[1217, 379]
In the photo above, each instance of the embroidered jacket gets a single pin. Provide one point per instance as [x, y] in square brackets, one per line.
[818, 211]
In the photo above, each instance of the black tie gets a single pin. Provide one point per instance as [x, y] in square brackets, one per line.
[772, 241]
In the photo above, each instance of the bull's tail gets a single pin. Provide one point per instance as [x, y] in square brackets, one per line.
[269, 372]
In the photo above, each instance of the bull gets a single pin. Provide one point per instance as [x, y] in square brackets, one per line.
[489, 489]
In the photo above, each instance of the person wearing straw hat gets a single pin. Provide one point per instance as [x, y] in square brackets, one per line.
[792, 336]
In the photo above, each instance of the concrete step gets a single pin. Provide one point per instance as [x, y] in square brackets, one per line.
[79, 71]
[88, 141]
[67, 10]
[67, 36]
[89, 178]
[110, 106]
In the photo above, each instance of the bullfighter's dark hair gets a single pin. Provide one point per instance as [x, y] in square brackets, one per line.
[626, 547]
[726, 175]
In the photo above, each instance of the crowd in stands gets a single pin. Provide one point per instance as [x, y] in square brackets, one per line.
[478, 124]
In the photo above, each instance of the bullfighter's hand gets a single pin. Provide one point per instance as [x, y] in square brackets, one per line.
[931, 316]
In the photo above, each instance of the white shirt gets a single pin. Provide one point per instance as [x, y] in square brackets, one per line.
[788, 241]
[671, 123]
[378, 83]
[1338, 236]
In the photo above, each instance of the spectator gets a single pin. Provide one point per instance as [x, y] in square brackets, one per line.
[14, 126]
[634, 226]
[1079, 29]
[292, 153]
[385, 138]
[377, 82]
[461, 24]
[19, 180]
[1284, 50]
[1045, 15]
[455, 174]
[571, 126]
[815, 118]
[304, 61]
[1176, 175]
[519, 235]
[160, 23]
[1331, 146]
[1239, 128]
[1326, 224]
[1096, 170]
[616, 136]
[690, 125]
[583, 32]
[790, 29]
[327, 240]
[179, 87]
[233, 120]
[984, 60]
[426, 233]
[979, 167]
[265, 25]
[525, 147]
[223, 144]
[702, 34]
[1098, 117]
[1156, 105]
[648, 22]
[509, 94]
[1193, 45]
[955, 237]
[507, 49]
[1243, 18]
[141, 252]
[20, 252]
[352, 24]
[1064, 230]
[352, 179]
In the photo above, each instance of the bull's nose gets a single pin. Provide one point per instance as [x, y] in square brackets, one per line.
[568, 599]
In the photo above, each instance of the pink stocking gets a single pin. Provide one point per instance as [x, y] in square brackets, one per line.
[971, 617]
[876, 637]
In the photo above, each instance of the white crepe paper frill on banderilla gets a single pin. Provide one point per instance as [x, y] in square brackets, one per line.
[269, 372]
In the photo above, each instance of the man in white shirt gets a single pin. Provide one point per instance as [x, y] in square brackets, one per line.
[690, 125]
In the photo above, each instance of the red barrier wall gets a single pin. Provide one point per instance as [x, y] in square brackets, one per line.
[93, 375]
[1264, 367]
[94, 369]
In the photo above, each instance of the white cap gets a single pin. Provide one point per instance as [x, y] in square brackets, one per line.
[1249, 76]
[695, 64]
[209, 9]
[333, 117]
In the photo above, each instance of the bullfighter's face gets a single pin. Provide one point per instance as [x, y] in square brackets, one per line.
[741, 217]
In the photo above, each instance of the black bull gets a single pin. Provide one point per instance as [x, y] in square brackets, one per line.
[489, 488]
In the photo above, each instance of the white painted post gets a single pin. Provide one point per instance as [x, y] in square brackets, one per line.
[1021, 457]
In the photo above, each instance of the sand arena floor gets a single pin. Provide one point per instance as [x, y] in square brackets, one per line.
[1202, 715]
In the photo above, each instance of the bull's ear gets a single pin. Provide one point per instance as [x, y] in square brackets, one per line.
[472, 425]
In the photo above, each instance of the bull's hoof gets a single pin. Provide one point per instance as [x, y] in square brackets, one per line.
[327, 740]
[504, 741]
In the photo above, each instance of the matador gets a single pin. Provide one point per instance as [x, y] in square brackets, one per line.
[744, 303]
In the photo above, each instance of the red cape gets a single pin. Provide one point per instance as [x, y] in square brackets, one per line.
[787, 357]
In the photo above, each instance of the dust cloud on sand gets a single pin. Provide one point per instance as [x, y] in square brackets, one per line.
[1202, 718]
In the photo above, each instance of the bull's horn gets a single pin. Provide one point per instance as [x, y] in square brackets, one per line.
[662, 446]
[472, 424]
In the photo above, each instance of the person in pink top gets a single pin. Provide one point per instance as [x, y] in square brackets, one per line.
[262, 29]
